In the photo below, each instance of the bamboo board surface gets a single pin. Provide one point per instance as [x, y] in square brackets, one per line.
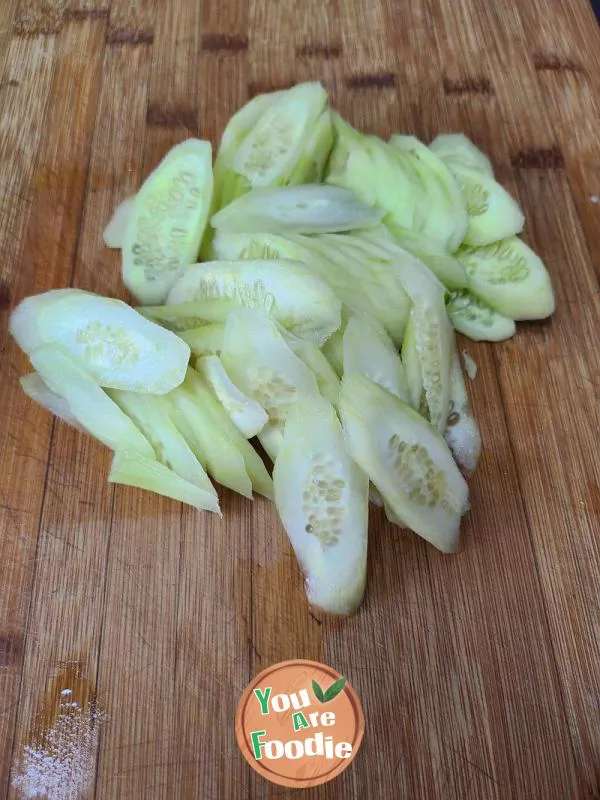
[479, 674]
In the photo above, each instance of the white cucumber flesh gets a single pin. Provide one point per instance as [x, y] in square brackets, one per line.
[474, 318]
[462, 432]
[114, 233]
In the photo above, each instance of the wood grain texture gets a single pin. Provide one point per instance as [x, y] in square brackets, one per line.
[479, 674]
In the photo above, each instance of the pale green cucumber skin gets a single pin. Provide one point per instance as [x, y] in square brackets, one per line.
[475, 319]
[38, 390]
[373, 420]
[206, 340]
[456, 148]
[511, 278]
[333, 553]
[114, 233]
[152, 262]
[462, 432]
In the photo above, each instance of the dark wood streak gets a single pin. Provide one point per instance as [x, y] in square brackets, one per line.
[550, 158]
[118, 36]
[217, 42]
[547, 62]
[379, 80]
[172, 117]
[468, 86]
[81, 14]
[10, 649]
[319, 51]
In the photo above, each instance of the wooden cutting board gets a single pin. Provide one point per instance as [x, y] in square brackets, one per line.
[479, 673]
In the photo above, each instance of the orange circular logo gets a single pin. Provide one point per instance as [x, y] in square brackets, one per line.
[299, 723]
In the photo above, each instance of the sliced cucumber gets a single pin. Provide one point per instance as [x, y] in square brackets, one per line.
[35, 388]
[510, 277]
[117, 346]
[213, 410]
[462, 432]
[114, 233]
[287, 290]
[151, 414]
[167, 221]
[275, 147]
[368, 350]
[406, 459]
[87, 402]
[327, 379]
[300, 209]
[262, 364]
[493, 213]
[412, 370]
[206, 340]
[322, 499]
[442, 263]
[23, 322]
[221, 459]
[131, 468]
[318, 149]
[456, 148]
[477, 320]
[446, 221]
[333, 350]
[246, 414]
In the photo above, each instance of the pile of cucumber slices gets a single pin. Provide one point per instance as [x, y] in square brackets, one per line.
[303, 291]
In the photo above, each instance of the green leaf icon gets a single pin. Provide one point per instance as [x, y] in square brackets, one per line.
[334, 689]
[318, 691]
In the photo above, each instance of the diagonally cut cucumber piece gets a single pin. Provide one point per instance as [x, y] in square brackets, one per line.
[333, 350]
[214, 412]
[368, 350]
[114, 233]
[167, 221]
[116, 345]
[477, 320]
[407, 460]
[262, 364]
[456, 148]
[206, 340]
[319, 144]
[88, 403]
[35, 388]
[312, 208]
[246, 414]
[462, 432]
[327, 379]
[493, 213]
[412, 371]
[23, 323]
[510, 277]
[151, 414]
[287, 290]
[130, 468]
[322, 499]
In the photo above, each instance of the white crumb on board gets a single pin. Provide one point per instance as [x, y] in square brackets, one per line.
[470, 365]
[61, 765]
[595, 199]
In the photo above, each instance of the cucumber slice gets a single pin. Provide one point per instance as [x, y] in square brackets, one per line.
[118, 347]
[213, 410]
[206, 340]
[275, 147]
[368, 350]
[477, 320]
[114, 233]
[221, 459]
[446, 221]
[23, 320]
[151, 415]
[442, 263]
[406, 459]
[322, 499]
[462, 432]
[287, 290]
[412, 371]
[245, 413]
[167, 221]
[432, 329]
[318, 148]
[493, 213]
[262, 364]
[133, 469]
[87, 402]
[510, 277]
[328, 381]
[35, 388]
[301, 209]
[456, 148]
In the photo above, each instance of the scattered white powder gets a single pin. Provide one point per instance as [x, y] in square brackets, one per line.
[61, 765]
[470, 365]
